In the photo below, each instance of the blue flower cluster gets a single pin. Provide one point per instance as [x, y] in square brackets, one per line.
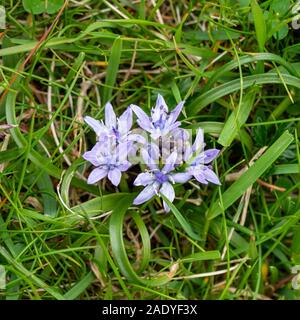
[165, 148]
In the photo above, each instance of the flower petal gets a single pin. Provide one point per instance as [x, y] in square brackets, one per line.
[94, 156]
[210, 154]
[181, 177]
[170, 162]
[159, 112]
[181, 134]
[149, 161]
[211, 176]
[96, 175]
[199, 141]
[161, 104]
[122, 151]
[168, 191]
[200, 177]
[153, 151]
[91, 156]
[173, 126]
[147, 193]
[114, 176]
[143, 119]
[124, 166]
[110, 116]
[144, 179]
[94, 124]
[125, 121]
[187, 153]
[175, 113]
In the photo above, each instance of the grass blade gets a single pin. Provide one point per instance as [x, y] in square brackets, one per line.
[260, 25]
[79, 287]
[201, 256]
[32, 278]
[45, 186]
[214, 94]
[185, 225]
[112, 69]
[119, 251]
[256, 57]
[237, 189]
[286, 169]
[237, 119]
[12, 154]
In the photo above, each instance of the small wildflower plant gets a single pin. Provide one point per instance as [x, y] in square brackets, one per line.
[158, 144]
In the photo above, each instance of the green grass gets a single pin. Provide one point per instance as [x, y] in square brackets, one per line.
[236, 63]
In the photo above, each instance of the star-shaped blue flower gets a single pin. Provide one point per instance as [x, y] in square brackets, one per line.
[161, 122]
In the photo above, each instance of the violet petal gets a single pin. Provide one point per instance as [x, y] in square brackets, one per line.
[143, 119]
[147, 193]
[96, 175]
[114, 176]
[110, 116]
[125, 121]
[199, 141]
[181, 177]
[170, 162]
[161, 104]
[175, 113]
[211, 176]
[168, 191]
[124, 166]
[144, 179]
[210, 155]
[150, 162]
[94, 124]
